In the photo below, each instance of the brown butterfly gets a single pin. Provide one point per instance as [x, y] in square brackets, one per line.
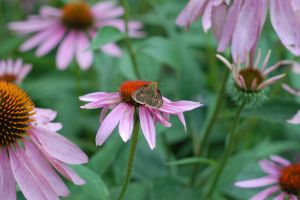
[148, 95]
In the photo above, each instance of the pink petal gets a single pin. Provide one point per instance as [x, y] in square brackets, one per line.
[286, 24]
[31, 26]
[229, 25]
[98, 96]
[102, 6]
[280, 160]
[182, 120]
[112, 49]
[218, 20]
[103, 113]
[83, 54]
[7, 180]
[164, 121]
[147, 125]
[191, 12]
[110, 122]
[281, 196]
[248, 27]
[206, 19]
[59, 147]
[43, 167]
[258, 182]
[269, 167]
[295, 119]
[265, 193]
[48, 11]
[66, 51]
[44, 115]
[30, 181]
[179, 106]
[52, 41]
[126, 123]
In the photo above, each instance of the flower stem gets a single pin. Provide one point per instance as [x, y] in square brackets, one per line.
[128, 40]
[208, 124]
[131, 156]
[228, 151]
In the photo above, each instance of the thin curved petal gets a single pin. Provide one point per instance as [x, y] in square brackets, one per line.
[280, 160]
[7, 179]
[265, 193]
[258, 182]
[179, 106]
[59, 147]
[126, 123]
[66, 50]
[147, 125]
[110, 122]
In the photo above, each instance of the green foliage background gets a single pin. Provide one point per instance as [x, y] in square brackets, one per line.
[185, 66]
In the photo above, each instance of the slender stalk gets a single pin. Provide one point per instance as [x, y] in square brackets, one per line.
[228, 151]
[208, 124]
[128, 40]
[131, 156]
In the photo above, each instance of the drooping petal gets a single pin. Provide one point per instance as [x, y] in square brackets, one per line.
[84, 56]
[218, 20]
[265, 193]
[269, 167]
[281, 196]
[147, 125]
[280, 160]
[207, 15]
[258, 182]
[59, 147]
[286, 24]
[105, 100]
[127, 123]
[182, 120]
[7, 179]
[30, 181]
[179, 106]
[97, 96]
[44, 168]
[110, 122]
[164, 121]
[66, 51]
[112, 49]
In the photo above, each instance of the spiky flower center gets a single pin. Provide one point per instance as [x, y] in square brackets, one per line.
[77, 15]
[252, 78]
[8, 78]
[16, 109]
[289, 180]
[127, 88]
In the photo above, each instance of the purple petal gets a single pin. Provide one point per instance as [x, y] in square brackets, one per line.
[258, 182]
[66, 51]
[31, 26]
[182, 120]
[59, 147]
[269, 167]
[286, 24]
[218, 20]
[83, 54]
[147, 125]
[98, 96]
[179, 106]
[164, 121]
[126, 123]
[207, 18]
[280, 160]
[265, 193]
[110, 122]
[30, 181]
[7, 179]
[281, 196]
[43, 167]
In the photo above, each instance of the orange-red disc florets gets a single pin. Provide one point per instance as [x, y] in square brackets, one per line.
[289, 180]
[77, 15]
[128, 87]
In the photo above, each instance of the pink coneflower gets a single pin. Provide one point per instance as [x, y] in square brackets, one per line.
[283, 180]
[13, 71]
[71, 29]
[251, 77]
[240, 23]
[123, 108]
[30, 146]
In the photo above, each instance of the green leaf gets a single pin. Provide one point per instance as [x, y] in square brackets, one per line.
[187, 161]
[106, 35]
[94, 189]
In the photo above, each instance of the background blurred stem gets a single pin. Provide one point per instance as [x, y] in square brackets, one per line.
[228, 151]
[208, 124]
[131, 156]
[128, 40]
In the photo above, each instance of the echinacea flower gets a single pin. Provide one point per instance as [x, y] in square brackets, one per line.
[240, 23]
[13, 71]
[30, 148]
[123, 107]
[282, 179]
[71, 29]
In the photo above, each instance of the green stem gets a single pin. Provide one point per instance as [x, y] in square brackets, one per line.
[228, 151]
[128, 40]
[131, 156]
[209, 122]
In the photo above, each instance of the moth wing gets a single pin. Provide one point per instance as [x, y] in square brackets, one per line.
[140, 95]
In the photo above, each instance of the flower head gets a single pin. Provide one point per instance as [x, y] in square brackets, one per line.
[71, 28]
[239, 23]
[13, 71]
[30, 146]
[251, 79]
[123, 106]
[283, 178]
